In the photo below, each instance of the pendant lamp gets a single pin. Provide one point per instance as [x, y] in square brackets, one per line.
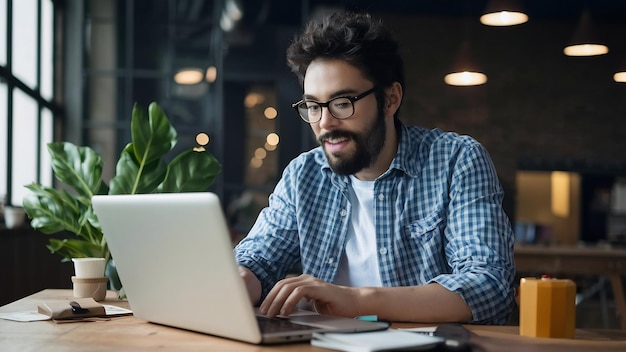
[503, 13]
[189, 76]
[584, 42]
[465, 71]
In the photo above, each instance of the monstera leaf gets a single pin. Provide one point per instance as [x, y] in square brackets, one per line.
[141, 168]
[134, 176]
[77, 167]
[190, 171]
[52, 211]
[152, 135]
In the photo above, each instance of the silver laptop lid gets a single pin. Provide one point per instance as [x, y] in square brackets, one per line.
[156, 241]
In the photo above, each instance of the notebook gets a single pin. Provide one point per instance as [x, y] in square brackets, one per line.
[388, 340]
[174, 257]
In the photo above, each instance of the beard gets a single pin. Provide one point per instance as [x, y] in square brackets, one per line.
[368, 147]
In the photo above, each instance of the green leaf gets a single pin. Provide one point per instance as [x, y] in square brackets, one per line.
[131, 178]
[53, 211]
[78, 167]
[75, 248]
[152, 135]
[191, 171]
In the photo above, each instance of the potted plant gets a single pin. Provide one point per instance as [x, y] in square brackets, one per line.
[141, 168]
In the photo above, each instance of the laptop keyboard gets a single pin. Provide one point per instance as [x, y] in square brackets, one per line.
[271, 325]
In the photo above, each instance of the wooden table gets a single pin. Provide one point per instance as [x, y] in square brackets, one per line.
[555, 260]
[129, 333]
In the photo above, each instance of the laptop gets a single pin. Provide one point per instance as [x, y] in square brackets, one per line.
[173, 253]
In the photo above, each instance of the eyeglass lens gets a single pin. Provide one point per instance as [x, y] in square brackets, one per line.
[340, 108]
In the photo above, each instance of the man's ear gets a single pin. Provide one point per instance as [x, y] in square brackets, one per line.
[393, 98]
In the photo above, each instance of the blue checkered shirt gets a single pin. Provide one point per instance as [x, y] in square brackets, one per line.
[439, 218]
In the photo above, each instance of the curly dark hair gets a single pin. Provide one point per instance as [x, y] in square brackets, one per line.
[355, 38]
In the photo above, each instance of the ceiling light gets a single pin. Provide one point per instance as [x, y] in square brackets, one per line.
[503, 18]
[465, 71]
[620, 76]
[202, 139]
[252, 99]
[270, 113]
[503, 13]
[584, 42]
[260, 153]
[465, 78]
[256, 163]
[272, 139]
[586, 50]
[211, 74]
[188, 76]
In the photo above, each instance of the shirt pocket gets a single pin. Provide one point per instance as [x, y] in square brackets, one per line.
[426, 241]
[427, 230]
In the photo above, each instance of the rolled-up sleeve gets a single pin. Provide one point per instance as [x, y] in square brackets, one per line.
[479, 239]
[271, 248]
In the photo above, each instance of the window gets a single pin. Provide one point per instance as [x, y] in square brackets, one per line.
[26, 93]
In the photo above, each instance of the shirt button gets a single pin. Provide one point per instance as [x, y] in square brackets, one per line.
[331, 260]
[382, 251]
[343, 212]
[381, 196]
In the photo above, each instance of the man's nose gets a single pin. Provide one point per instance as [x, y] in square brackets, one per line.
[327, 120]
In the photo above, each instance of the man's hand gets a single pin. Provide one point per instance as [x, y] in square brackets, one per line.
[431, 303]
[327, 298]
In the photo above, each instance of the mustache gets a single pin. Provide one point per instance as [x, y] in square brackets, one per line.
[336, 134]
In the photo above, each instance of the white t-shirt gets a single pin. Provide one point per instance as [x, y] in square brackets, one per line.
[359, 261]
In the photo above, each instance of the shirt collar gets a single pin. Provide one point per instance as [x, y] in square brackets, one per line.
[405, 160]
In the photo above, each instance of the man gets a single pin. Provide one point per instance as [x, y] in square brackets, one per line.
[400, 222]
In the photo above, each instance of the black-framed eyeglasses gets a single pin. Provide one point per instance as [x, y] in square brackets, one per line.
[340, 107]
